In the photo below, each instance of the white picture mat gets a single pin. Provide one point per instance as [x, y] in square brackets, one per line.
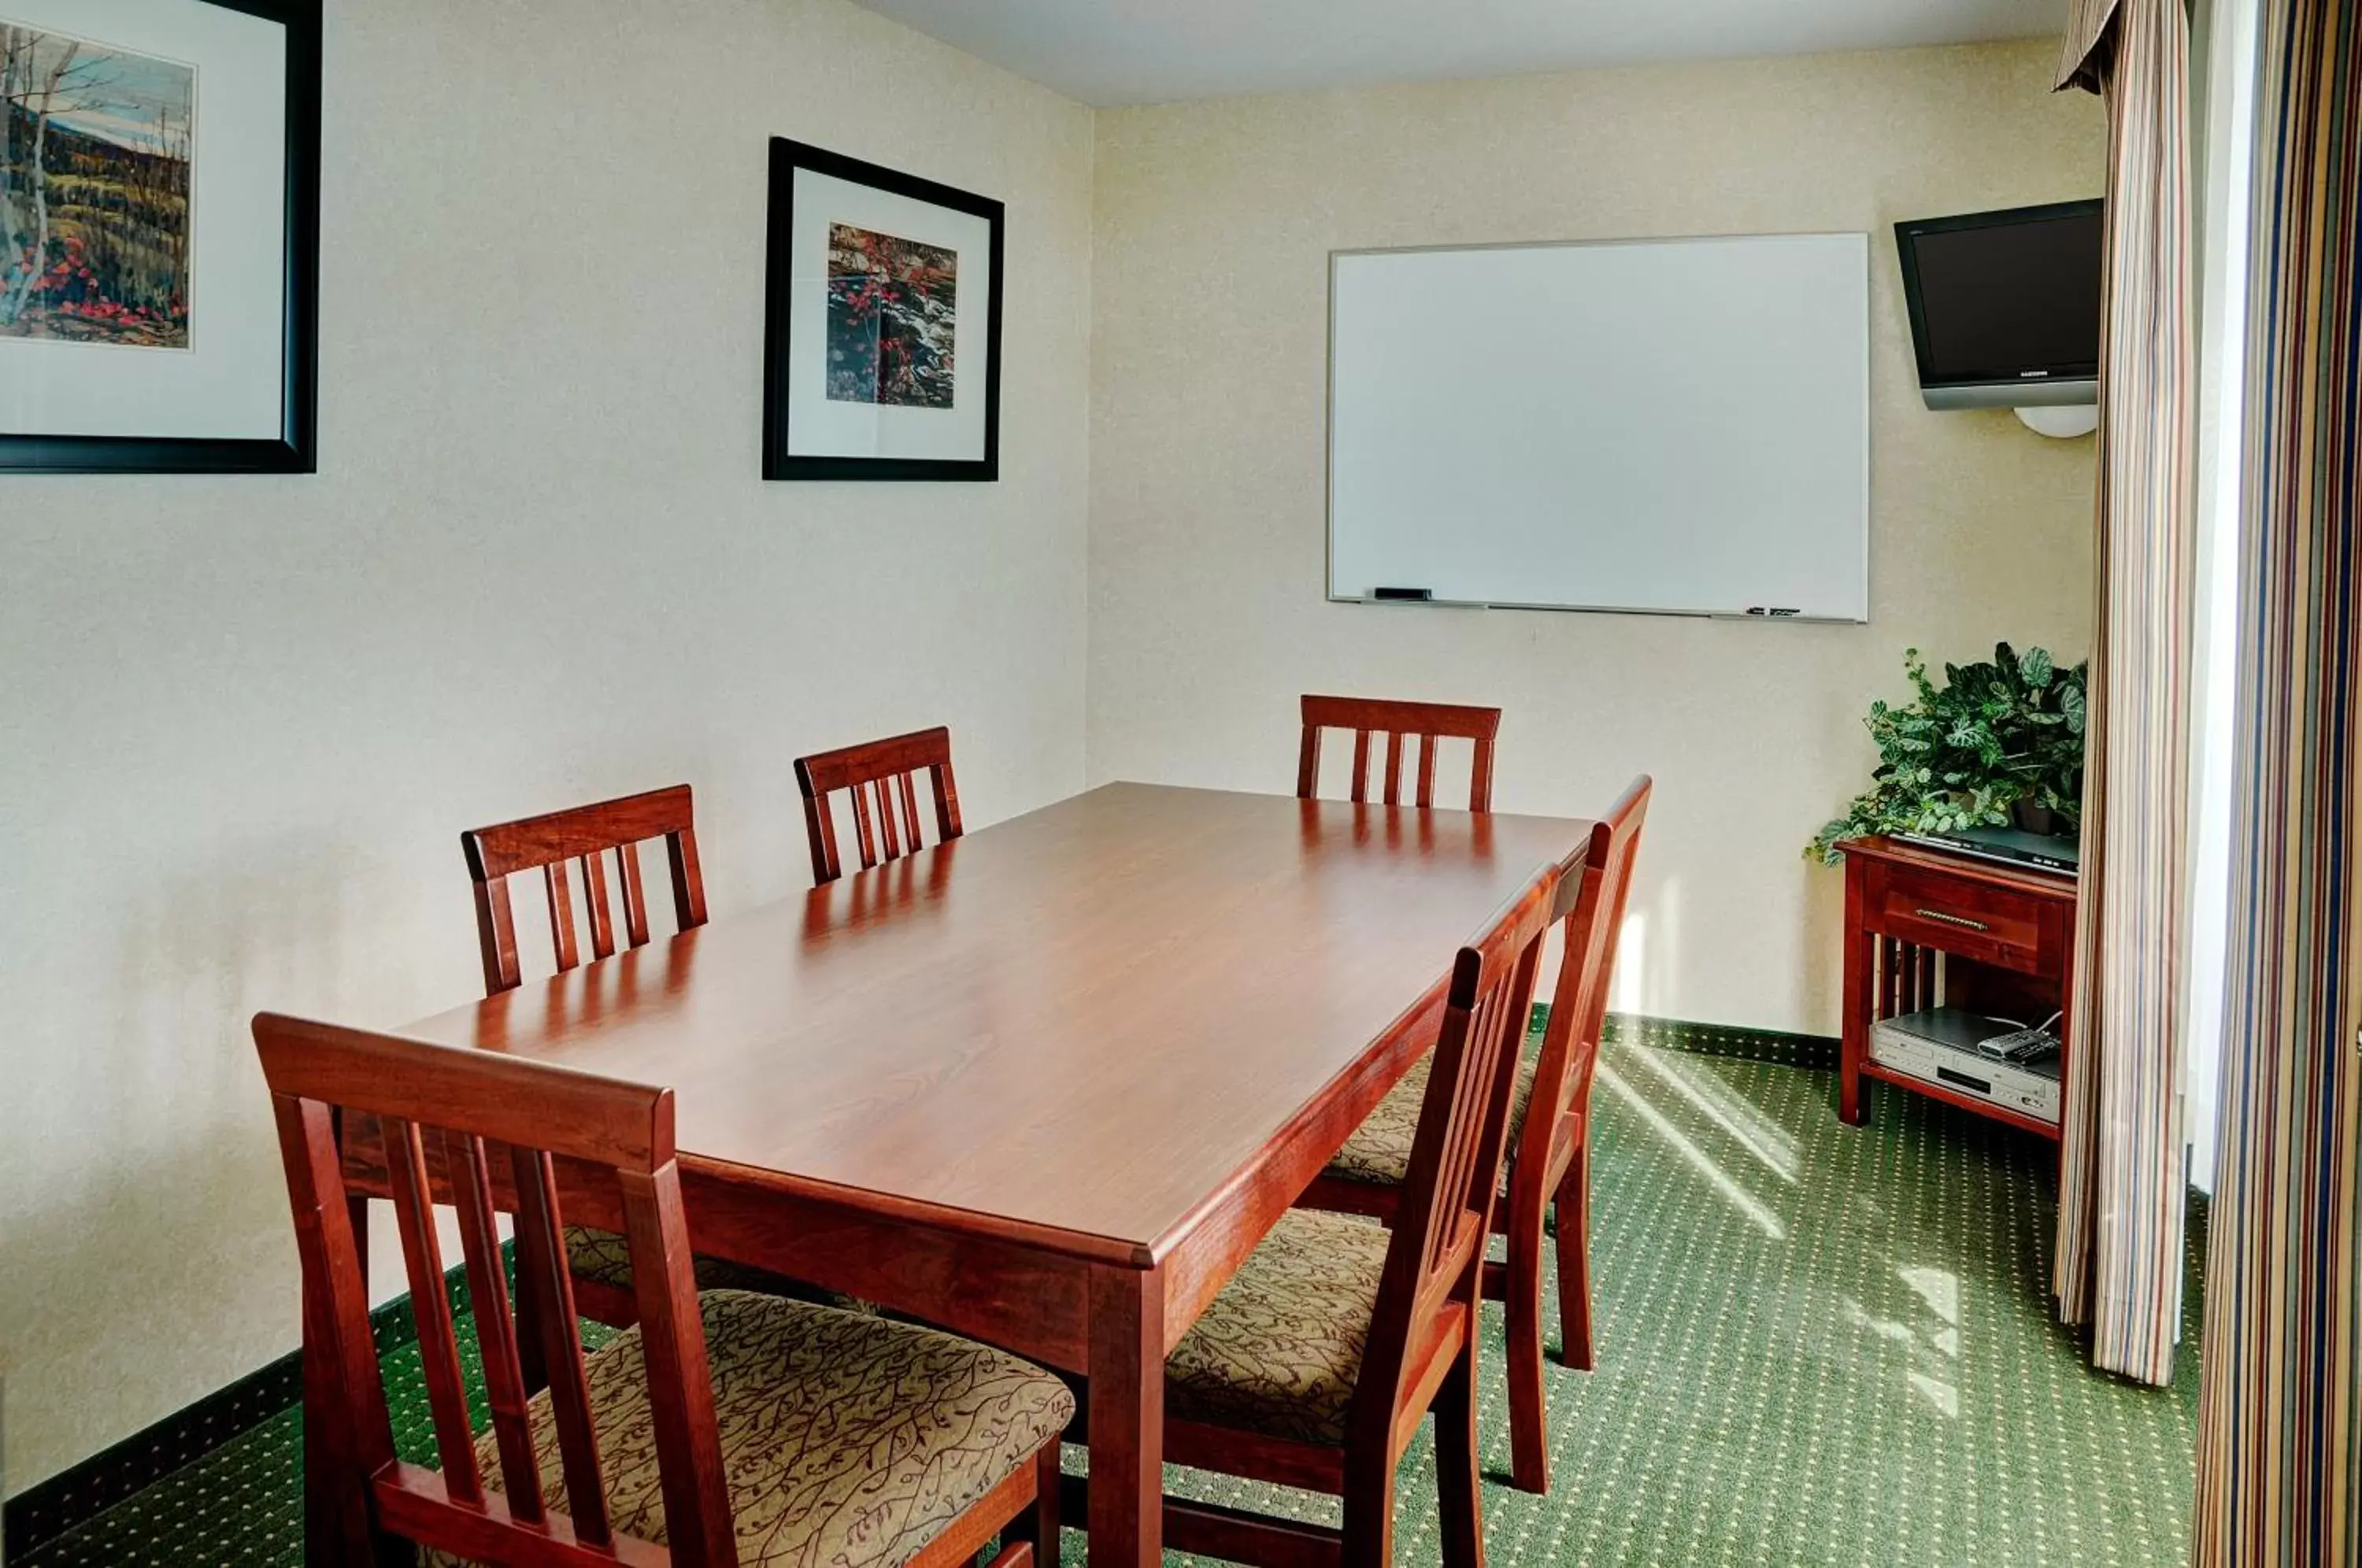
[1673, 425]
[820, 428]
[228, 384]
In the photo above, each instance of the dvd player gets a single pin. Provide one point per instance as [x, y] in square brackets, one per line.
[1939, 1046]
[2043, 852]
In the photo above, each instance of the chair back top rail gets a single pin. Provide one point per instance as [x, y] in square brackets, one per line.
[1591, 913]
[1436, 1253]
[882, 779]
[472, 1128]
[582, 835]
[1366, 716]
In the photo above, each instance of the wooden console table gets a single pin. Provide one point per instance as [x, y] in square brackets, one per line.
[2007, 942]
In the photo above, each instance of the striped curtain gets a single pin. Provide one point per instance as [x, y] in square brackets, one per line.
[2122, 1190]
[2280, 1435]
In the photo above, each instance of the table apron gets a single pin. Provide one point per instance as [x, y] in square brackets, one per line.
[1030, 1301]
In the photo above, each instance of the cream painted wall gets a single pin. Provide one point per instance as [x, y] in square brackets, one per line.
[1214, 222]
[242, 720]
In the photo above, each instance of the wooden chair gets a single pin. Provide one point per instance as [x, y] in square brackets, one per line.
[583, 835]
[1313, 1367]
[1550, 1146]
[1366, 716]
[883, 773]
[727, 1429]
[588, 838]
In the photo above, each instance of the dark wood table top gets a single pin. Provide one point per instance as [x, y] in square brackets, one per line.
[1078, 1026]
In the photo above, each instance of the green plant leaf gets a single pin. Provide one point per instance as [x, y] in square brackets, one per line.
[1966, 752]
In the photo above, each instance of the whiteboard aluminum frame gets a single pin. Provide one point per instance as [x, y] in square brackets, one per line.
[1329, 436]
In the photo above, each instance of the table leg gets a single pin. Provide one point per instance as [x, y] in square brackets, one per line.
[1860, 962]
[1127, 1417]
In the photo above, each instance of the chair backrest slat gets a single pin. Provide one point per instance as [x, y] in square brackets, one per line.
[559, 1333]
[438, 1346]
[453, 1120]
[635, 895]
[561, 915]
[883, 791]
[1589, 910]
[1430, 721]
[594, 904]
[1436, 1253]
[861, 826]
[882, 779]
[910, 788]
[585, 837]
[496, 1334]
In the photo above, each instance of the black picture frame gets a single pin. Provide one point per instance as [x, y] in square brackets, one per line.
[779, 462]
[295, 449]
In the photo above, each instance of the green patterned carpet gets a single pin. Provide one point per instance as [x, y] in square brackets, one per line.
[1817, 1346]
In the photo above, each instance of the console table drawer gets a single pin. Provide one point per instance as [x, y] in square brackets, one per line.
[1993, 925]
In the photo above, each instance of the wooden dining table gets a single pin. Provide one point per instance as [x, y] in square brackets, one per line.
[1046, 1085]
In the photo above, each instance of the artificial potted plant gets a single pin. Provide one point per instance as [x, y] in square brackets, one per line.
[1998, 743]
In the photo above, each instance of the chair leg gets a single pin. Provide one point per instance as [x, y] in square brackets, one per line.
[1574, 1260]
[1457, 1488]
[1369, 1514]
[1528, 1407]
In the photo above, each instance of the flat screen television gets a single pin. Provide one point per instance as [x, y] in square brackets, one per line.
[2005, 305]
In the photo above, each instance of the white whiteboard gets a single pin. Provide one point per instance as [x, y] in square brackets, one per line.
[1678, 425]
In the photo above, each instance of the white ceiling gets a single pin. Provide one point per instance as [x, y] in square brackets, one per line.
[1147, 52]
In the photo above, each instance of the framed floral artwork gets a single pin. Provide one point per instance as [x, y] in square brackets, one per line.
[882, 347]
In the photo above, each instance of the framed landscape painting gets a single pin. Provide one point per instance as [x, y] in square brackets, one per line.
[158, 235]
[882, 344]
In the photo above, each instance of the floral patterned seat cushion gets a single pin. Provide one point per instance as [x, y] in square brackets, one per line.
[603, 1258]
[1279, 1351]
[1379, 1150]
[849, 1440]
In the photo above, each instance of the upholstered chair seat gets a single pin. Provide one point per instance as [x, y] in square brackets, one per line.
[1378, 1153]
[847, 1441]
[1279, 1351]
